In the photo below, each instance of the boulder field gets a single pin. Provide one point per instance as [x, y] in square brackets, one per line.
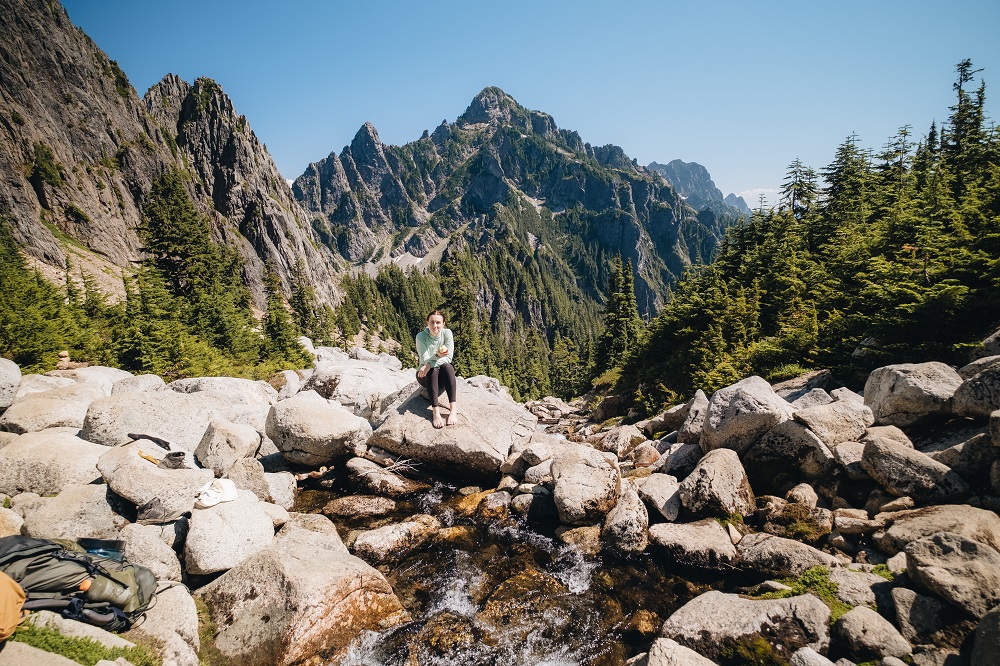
[859, 527]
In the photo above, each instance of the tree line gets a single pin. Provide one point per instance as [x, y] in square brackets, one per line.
[186, 310]
[881, 257]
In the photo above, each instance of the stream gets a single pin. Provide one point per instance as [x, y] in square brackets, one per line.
[511, 594]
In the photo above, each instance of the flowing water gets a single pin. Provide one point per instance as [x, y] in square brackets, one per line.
[511, 594]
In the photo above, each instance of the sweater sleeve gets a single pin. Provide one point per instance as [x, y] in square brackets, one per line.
[424, 356]
[449, 342]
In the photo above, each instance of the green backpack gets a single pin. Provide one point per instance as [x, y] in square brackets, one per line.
[62, 577]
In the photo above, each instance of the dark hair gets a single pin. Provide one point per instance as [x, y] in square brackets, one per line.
[435, 312]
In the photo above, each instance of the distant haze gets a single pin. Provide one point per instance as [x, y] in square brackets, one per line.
[742, 88]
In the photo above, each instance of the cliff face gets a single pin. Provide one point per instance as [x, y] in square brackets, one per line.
[77, 148]
[372, 201]
[694, 182]
[238, 179]
[80, 151]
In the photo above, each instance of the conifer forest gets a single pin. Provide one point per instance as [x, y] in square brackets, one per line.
[885, 254]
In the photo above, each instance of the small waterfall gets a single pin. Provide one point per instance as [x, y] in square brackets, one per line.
[573, 569]
[513, 595]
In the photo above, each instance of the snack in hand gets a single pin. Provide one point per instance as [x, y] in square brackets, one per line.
[442, 349]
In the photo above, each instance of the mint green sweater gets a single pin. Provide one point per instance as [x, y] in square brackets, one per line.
[427, 347]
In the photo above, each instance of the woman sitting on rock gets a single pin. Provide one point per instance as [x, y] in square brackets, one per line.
[435, 346]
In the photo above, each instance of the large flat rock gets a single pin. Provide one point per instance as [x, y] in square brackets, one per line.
[360, 386]
[63, 407]
[138, 480]
[704, 544]
[179, 418]
[903, 394]
[48, 461]
[488, 426]
[715, 622]
[969, 521]
[78, 511]
[299, 597]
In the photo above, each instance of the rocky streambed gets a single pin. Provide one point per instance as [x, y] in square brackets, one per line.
[797, 523]
[508, 591]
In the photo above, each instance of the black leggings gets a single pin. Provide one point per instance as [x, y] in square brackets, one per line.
[443, 374]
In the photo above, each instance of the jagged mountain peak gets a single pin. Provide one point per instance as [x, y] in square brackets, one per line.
[366, 139]
[491, 104]
[65, 105]
[376, 203]
[695, 182]
[170, 85]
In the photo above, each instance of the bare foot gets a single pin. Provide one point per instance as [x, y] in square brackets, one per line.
[453, 417]
[438, 421]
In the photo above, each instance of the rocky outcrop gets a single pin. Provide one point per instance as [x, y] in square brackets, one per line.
[310, 430]
[488, 426]
[740, 414]
[906, 393]
[303, 595]
[373, 202]
[716, 622]
[261, 218]
[605, 501]
[695, 184]
[963, 572]
[97, 149]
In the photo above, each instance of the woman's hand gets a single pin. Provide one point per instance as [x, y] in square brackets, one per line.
[442, 352]
[422, 371]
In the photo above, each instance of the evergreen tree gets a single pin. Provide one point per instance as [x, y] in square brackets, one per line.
[622, 325]
[280, 342]
[462, 317]
[800, 190]
[309, 318]
[567, 368]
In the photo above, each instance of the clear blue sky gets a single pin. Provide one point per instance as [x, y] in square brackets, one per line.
[741, 87]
